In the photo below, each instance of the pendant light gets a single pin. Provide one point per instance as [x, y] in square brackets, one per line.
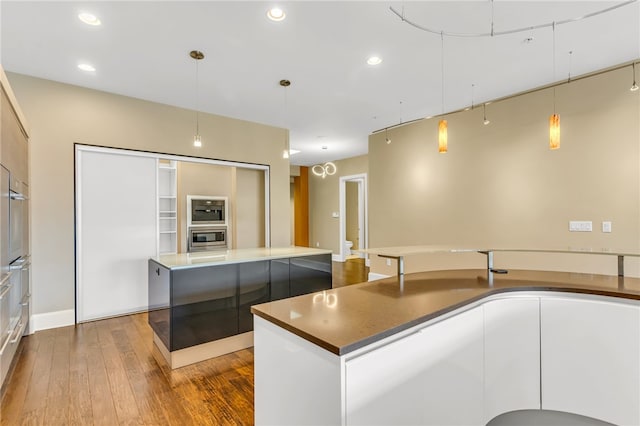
[485, 120]
[197, 140]
[285, 152]
[634, 86]
[442, 125]
[554, 119]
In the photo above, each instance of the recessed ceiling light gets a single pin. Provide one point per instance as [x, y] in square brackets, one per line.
[325, 147]
[276, 14]
[374, 60]
[89, 19]
[87, 67]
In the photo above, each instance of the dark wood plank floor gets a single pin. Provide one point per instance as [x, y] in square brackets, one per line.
[104, 373]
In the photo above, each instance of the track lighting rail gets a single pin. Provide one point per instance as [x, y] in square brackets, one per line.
[492, 33]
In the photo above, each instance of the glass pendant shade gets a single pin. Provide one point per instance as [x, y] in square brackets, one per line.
[442, 136]
[554, 131]
[285, 153]
[197, 141]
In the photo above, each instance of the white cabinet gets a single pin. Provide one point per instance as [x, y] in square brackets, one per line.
[433, 376]
[116, 231]
[511, 355]
[591, 359]
[167, 207]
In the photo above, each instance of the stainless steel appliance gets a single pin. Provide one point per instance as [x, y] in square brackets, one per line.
[206, 210]
[16, 218]
[207, 238]
[5, 274]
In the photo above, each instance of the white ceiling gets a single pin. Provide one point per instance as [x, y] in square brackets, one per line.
[336, 99]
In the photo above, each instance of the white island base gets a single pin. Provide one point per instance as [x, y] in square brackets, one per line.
[566, 352]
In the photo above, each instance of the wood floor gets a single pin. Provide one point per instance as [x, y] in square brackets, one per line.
[104, 373]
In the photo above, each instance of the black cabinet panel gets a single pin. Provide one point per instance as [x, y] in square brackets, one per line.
[280, 279]
[253, 288]
[204, 305]
[310, 274]
[159, 301]
[191, 306]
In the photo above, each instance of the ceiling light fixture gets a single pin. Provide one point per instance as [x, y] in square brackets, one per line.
[442, 125]
[285, 151]
[634, 86]
[87, 67]
[197, 57]
[485, 120]
[554, 119]
[324, 170]
[89, 19]
[374, 60]
[276, 14]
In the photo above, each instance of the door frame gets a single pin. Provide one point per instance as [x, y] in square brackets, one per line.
[363, 208]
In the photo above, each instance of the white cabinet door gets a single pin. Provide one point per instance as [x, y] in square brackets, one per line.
[511, 355]
[433, 377]
[591, 359]
[116, 232]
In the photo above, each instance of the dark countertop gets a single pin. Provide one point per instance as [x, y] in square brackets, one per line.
[344, 319]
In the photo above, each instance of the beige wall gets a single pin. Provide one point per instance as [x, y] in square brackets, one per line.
[199, 179]
[351, 207]
[61, 115]
[500, 185]
[248, 217]
[324, 230]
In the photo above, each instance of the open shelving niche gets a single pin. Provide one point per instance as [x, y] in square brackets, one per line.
[167, 207]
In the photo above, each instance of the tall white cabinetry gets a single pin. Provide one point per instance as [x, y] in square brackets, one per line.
[167, 207]
[591, 359]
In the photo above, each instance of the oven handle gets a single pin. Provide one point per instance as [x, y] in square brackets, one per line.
[20, 328]
[6, 290]
[5, 278]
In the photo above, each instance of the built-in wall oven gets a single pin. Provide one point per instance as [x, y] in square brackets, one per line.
[204, 210]
[207, 238]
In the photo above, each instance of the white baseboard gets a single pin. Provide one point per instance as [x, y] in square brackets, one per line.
[52, 320]
[336, 258]
[373, 276]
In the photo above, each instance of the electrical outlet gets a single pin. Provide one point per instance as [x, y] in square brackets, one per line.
[317, 244]
[606, 226]
[580, 226]
[388, 262]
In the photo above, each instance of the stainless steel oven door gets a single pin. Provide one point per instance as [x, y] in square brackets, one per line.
[202, 239]
[16, 219]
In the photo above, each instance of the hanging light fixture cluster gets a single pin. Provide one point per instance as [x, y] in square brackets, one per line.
[324, 170]
[554, 119]
[197, 140]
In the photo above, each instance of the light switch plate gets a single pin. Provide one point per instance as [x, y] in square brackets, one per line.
[580, 226]
[606, 226]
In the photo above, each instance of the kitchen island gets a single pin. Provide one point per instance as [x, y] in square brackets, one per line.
[451, 347]
[199, 303]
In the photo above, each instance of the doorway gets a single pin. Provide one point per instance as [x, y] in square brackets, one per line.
[353, 216]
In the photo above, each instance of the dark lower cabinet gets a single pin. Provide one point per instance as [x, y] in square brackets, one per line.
[191, 306]
[253, 289]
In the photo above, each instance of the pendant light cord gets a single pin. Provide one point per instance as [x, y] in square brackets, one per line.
[442, 66]
[197, 102]
[554, 65]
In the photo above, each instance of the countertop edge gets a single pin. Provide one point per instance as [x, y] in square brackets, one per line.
[348, 348]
